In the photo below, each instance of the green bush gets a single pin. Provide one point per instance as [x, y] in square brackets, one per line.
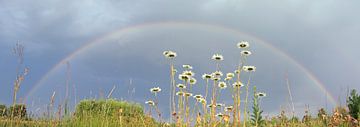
[3, 111]
[107, 108]
[354, 104]
[18, 111]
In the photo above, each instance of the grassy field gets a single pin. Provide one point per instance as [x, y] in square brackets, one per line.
[202, 109]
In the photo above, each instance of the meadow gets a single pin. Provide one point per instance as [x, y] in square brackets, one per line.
[187, 107]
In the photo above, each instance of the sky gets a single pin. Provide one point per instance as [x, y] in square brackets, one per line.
[128, 37]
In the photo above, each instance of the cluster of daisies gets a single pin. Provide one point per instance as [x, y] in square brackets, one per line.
[187, 79]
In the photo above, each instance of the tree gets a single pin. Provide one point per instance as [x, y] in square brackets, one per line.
[256, 117]
[353, 103]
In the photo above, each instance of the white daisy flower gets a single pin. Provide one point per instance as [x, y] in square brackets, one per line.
[188, 94]
[261, 94]
[230, 75]
[206, 76]
[220, 105]
[211, 106]
[245, 53]
[188, 67]
[151, 103]
[222, 85]
[243, 44]
[180, 93]
[169, 54]
[155, 90]
[238, 84]
[227, 78]
[202, 100]
[215, 78]
[249, 68]
[217, 73]
[192, 81]
[184, 77]
[220, 115]
[189, 73]
[229, 108]
[198, 96]
[217, 57]
[165, 53]
[181, 86]
[237, 71]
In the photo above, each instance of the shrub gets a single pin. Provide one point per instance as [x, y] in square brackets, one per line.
[107, 108]
[3, 111]
[353, 103]
[18, 111]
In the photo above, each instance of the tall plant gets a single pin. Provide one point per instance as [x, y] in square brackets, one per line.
[256, 117]
[353, 103]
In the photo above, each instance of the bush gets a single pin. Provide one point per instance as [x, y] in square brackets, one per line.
[107, 108]
[3, 111]
[18, 111]
[354, 104]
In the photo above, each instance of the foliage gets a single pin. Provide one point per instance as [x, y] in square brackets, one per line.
[18, 111]
[3, 110]
[256, 117]
[108, 107]
[353, 103]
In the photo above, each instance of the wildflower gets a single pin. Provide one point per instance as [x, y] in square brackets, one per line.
[229, 108]
[211, 106]
[192, 81]
[202, 100]
[237, 71]
[180, 93]
[261, 94]
[188, 67]
[215, 78]
[165, 53]
[184, 77]
[238, 84]
[188, 73]
[245, 53]
[230, 75]
[151, 103]
[217, 57]
[220, 105]
[169, 54]
[220, 115]
[243, 44]
[198, 96]
[227, 78]
[155, 90]
[217, 73]
[175, 71]
[181, 86]
[188, 94]
[206, 76]
[222, 85]
[249, 68]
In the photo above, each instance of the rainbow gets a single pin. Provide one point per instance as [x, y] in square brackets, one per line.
[139, 27]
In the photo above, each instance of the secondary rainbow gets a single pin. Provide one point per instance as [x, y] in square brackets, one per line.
[212, 27]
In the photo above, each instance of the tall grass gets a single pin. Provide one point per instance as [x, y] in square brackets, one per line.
[187, 108]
